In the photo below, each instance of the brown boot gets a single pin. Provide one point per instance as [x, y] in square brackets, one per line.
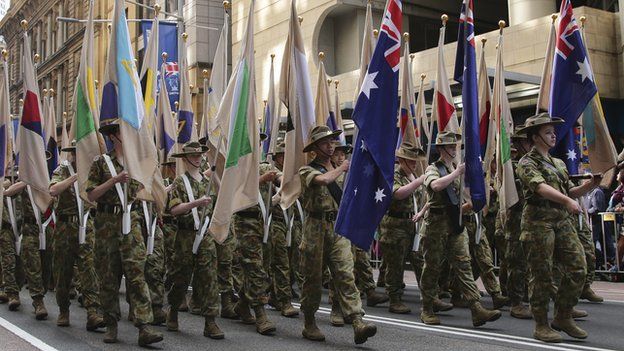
[428, 317]
[459, 302]
[160, 316]
[542, 330]
[194, 308]
[362, 330]
[94, 320]
[211, 329]
[184, 305]
[563, 322]
[374, 298]
[147, 336]
[589, 295]
[335, 316]
[40, 310]
[14, 302]
[520, 311]
[576, 313]
[227, 306]
[242, 310]
[110, 337]
[263, 325]
[441, 306]
[397, 306]
[480, 315]
[3, 297]
[288, 310]
[63, 318]
[310, 330]
[172, 320]
[499, 301]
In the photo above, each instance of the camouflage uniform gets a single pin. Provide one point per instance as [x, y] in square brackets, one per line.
[30, 257]
[169, 228]
[280, 265]
[362, 270]
[515, 256]
[295, 254]
[203, 265]
[155, 269]
[68, 251]
[585, 236]
[10, 263]
[548, 234]
[320, 246]
[439, 241]
[496, 238]
[397, 233]
[117, 253]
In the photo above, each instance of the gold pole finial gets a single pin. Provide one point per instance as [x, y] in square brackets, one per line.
[24, 24]
[45, 92]
[226, 5]
[300, 19]
[96, 83]
[444, 18]
[554, 17]
[205, 73]
[156, 10]
[583, 19]
[321, 56]
[423, 76]
[164, 56]
[406, 36]
[336, 82]
[184, 36]
[5, 54]
[52, 92]
[37, 58]
[375, 33]
[272, 57]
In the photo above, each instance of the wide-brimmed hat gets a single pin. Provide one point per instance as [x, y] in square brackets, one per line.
[279, 148]
[447, 138]
[71, 147]
[319, 133]
[191, 148]
[409, 151]
[346, 148]
[109, 127]
[519, 134]
[539, 120]
[169, 162]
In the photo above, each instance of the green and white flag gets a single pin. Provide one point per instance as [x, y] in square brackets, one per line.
[239, 186]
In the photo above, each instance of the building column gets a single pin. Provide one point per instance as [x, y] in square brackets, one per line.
[521, 11]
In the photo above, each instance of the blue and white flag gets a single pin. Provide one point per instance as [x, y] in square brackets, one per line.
[466, 62]
[368, 191]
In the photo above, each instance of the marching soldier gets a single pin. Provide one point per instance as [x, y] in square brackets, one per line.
[195, 253]
[9, 236]
[116, 250]
[320, 245]
[548, 233]
[444, 237]
[73, 244]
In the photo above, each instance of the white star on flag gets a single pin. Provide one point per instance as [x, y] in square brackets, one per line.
[379, 195]
[355, 192]
[362, 146]
[584, 70]
[369, 84]
[368, 170]
[571, 155]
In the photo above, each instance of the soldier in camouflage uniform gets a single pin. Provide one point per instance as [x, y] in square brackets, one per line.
[68, 248]
[444, 237]
[10, 263]
[188, 208]
[248, 227]
[169, 226]
[116, 252]
[548, 233]
[585, 235]
[397, 229]
[155, 269]
[320, 245]
[515, 256]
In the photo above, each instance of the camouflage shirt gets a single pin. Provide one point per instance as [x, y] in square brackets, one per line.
[438, 199]
[401, 206]
[535, 169]
[266, 167]
[314, 197]
[99, 174]
[178, 195]
[17, 208]
[65, 203]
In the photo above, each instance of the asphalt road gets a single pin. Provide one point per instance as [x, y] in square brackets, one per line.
[20, 331]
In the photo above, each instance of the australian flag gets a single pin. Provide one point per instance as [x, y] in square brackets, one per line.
[368, 191]
[573, 85]
[466, 73]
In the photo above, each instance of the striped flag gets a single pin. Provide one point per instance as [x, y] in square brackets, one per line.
[33, 168]
[140, 155]
[84, 123]
[239, 187]
[322, 104]
[296, 94]
[443, 107]
[149, 74]
[408, 125]
[501, 115]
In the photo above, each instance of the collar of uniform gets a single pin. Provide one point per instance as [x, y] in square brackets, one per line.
[190, 177]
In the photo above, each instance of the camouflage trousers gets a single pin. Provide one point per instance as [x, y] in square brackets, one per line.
[117, 254]
[436, 244]
[47, 259]
[590, 255]
[280, 265]
[397, 239]
[481, 254]
[225, 256]
[295, 255]
[321, 247]
[551, 243]
[11, 267]
[517, 271]
[169, 231]
[31, 258]
[249, 233]
[201, 266]
[69, 252]
[362, 269]
[155, 269]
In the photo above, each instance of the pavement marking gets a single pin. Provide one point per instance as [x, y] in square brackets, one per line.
[24, 335]
[477, 334]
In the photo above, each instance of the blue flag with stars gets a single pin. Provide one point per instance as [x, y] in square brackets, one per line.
[368, 190]
[573, 85]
